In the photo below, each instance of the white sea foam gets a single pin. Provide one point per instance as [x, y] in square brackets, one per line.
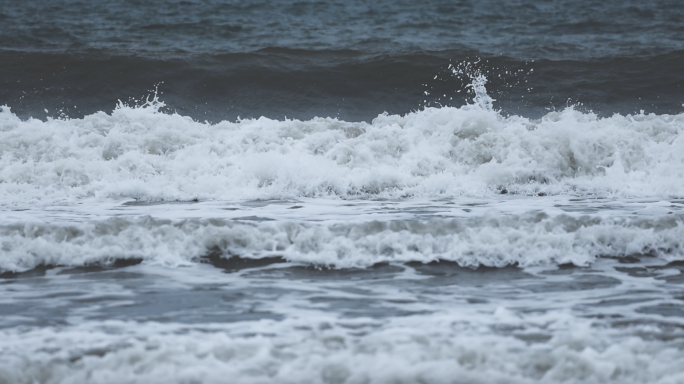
[492, 239]
[81, 174]
[145, 154]
[322, 349]
[141, 153]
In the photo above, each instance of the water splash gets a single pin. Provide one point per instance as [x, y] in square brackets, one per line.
[481, 99]
[478, 79]
[150, 102]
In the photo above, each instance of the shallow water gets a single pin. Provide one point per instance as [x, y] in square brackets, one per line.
[382, 313]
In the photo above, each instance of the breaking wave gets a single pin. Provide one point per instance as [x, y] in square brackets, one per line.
[142, 153]
[492, 239]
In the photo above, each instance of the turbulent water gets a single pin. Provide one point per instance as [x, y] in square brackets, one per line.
[341, 192]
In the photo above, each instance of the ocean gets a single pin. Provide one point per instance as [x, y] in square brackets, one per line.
[205, 191]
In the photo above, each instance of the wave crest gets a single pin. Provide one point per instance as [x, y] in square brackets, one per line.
[139, 152]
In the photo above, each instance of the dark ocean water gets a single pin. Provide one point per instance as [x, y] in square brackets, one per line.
[218, 60]
[341, 192]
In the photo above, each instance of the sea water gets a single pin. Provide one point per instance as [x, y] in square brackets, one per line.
[450, 221]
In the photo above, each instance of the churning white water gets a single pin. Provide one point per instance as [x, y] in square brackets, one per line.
[449, 245]
[140, 153]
